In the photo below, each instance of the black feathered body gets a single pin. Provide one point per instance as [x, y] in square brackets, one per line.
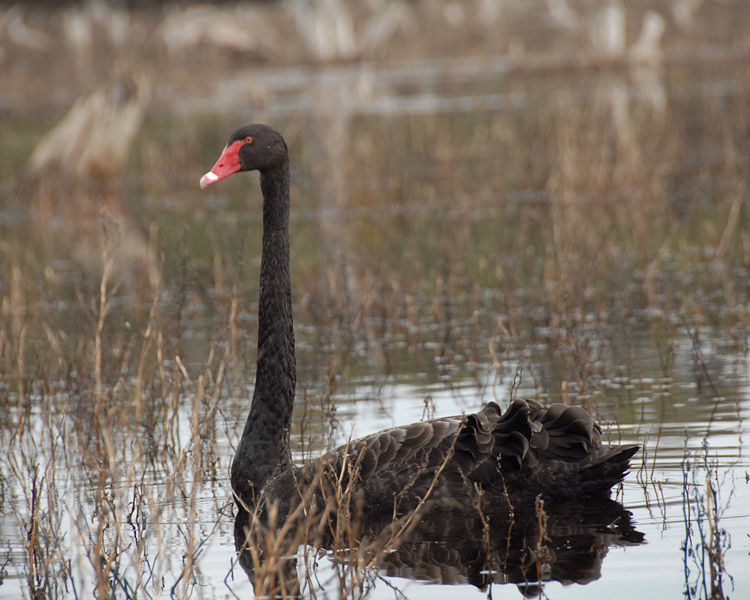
[511, 457]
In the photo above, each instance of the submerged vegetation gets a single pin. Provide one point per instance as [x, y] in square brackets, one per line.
[554, 230]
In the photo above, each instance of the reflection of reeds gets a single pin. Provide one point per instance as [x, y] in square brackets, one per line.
[706, 542]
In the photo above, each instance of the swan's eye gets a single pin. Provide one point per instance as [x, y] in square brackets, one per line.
[248, 140]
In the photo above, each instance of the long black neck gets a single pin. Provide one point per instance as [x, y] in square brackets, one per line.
[263, 447]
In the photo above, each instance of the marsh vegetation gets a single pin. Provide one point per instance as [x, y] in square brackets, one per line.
[466, 226]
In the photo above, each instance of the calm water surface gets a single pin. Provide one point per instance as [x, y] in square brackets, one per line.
[582, 237]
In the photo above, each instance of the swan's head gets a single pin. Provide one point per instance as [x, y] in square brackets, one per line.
[250, 148]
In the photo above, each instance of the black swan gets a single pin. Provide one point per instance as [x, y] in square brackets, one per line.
[531, 449]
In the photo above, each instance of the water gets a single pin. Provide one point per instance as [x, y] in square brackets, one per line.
[463, 230]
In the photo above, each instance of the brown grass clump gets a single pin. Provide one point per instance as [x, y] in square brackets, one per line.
[101, 461]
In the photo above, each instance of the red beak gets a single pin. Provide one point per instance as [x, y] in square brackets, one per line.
[228, 163]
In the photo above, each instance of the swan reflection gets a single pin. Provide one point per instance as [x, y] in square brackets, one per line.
[481, 545]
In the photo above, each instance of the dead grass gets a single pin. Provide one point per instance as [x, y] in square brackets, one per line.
[586, 249]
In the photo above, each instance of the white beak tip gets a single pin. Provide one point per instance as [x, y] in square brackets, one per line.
[208, 179]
